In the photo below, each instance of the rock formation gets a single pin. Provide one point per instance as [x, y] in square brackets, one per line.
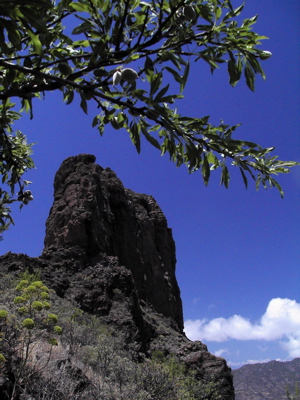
[110, 250]
[93, 212]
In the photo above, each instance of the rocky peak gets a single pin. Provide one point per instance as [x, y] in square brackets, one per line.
[93, 212]
[109, 250]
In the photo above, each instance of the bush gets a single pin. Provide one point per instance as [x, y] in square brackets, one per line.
[92, 362]
[22, 328]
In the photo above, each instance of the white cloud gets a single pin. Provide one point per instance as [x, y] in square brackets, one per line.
[239, 364]
[281, 321]
[221, 352]
[292, 346]
[262, 348]
[196, 300]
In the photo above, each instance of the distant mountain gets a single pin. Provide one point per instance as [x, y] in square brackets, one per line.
[267, 381]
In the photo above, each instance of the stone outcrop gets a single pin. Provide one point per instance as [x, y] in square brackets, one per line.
[111, 251]
[93, 211]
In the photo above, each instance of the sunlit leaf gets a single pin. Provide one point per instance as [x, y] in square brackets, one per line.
[81, 7]
[38, 48]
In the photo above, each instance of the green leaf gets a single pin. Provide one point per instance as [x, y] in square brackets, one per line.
[37, 45]
[13, 34]
[185, 77]
[212, 159]
[150, 138]
[27, 106]
[135, 136]
[250, 78]
[34, 19]
[232, 73]
[155, 82]
[149, 66]
[218, 12]
[53, 342]
[225, 176]
[205, 12]
[234, 13]
[244, 177]
[80, 7]
[250, 21]
[69, 96]
[83, 103]
[205, 170]
[175, 74]
[276, 184]
[95, 121]
[161, 93]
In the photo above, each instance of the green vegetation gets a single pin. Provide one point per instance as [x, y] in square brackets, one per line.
[296, 396]
[132, 60]
[25, 324]
[187, 388]
[81, 358]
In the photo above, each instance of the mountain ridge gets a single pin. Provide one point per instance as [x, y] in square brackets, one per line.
[266, 381]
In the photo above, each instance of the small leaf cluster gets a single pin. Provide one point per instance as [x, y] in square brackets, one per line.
[33, 304]
[132, 59]
[26, 318]
[15, 160]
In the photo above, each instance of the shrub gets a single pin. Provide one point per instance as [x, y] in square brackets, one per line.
[28, 323]
[3, 314]
[106, 364]
[22, 328]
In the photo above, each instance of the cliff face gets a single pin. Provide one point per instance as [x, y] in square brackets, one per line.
[93, 212]
[110, 250]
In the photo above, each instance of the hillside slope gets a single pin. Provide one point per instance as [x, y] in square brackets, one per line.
[110, 252]
[266, 381]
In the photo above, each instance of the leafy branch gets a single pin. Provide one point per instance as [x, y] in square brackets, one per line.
[132, 58]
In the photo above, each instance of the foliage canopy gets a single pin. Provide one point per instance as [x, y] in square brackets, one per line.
[132, 59]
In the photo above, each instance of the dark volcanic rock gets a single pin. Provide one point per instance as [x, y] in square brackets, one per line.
[94, 212]
[110, 250]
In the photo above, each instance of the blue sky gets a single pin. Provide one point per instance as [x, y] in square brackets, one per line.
[238, 253]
